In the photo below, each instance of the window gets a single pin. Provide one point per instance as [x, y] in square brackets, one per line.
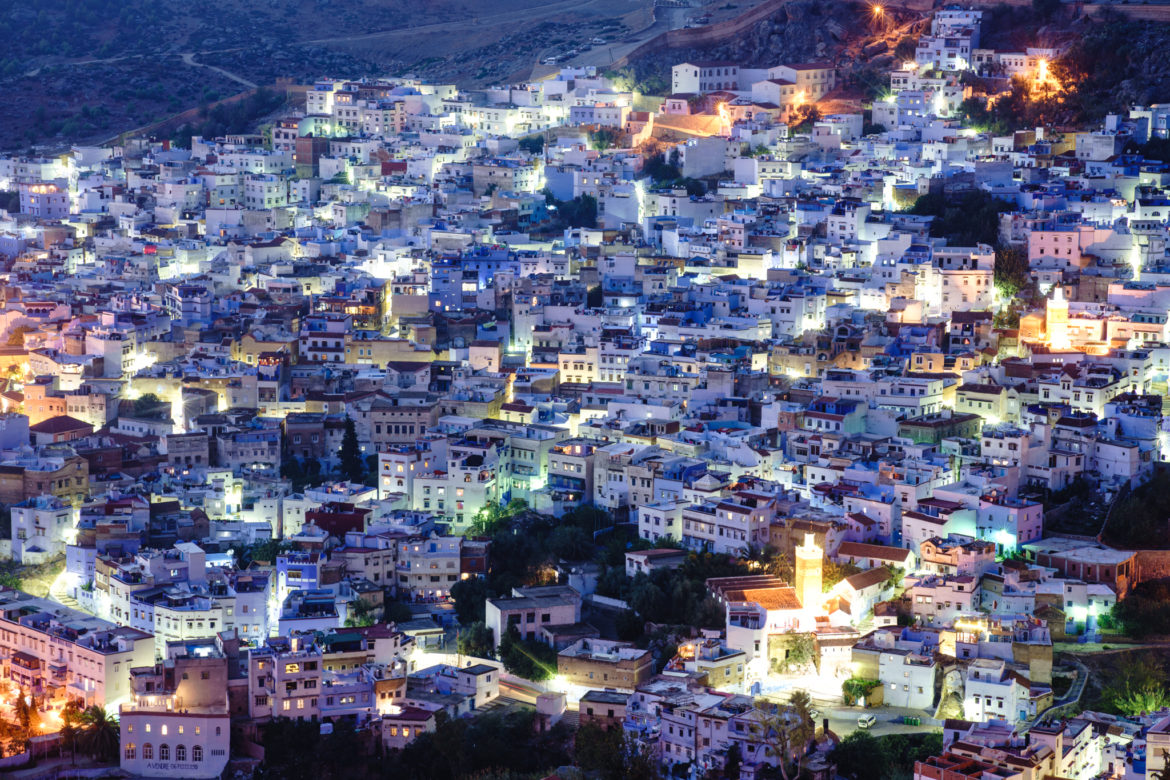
[164, 752]
[197, 753]
[148, 751]
[130, 751]
[180, 752]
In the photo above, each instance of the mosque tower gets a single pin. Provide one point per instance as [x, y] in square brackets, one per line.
[1056, 320]
[809, 564]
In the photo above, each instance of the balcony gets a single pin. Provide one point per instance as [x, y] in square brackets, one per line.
[155, 703]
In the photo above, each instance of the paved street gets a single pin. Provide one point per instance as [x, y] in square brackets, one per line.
[843, 720]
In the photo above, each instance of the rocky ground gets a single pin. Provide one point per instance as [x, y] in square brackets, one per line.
[803, 30]
[33, 579]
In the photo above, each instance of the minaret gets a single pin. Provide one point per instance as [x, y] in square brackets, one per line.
[1056, 320]
[809, 562]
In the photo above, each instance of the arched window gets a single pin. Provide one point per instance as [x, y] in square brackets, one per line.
[148, 751]
[197, 753]
[164, 752]
[180, 752]
[130, 751]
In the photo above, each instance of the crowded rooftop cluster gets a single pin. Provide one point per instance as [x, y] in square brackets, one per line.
[728, 433]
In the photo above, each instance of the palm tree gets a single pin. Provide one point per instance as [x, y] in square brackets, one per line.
[71, 727]
[804, 730]
[1164, 772]
[101, 738]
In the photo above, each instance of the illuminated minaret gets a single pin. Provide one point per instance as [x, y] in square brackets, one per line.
[1056, 320]
[809, 562]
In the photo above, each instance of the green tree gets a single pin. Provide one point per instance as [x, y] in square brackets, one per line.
[1011, 270]
[149, 404]
[782, 731]
[100, 737]
[10, 579]
[588, 518]
[856, 688]
[571, 543]
[490, 745]
[732, 762]
[469, 596]
[10, 201]
[660, 170]
[27, 719]
[71, 727]
[964, 219]
[292, 749]
[396, 612]
[614, 583]
[611, 754]
[1137, 687]
[361, 614]
[529, 659]
[897, 578]
[597, 749]
[264, 552]
[476, 639]
[533, 144]
[16, 337]
[603, 138]
[861, 756]
[297, 472]
[833, 572]
[799, 652]
[578, 212]
[353, 466]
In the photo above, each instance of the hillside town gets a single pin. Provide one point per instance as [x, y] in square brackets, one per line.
[741, 433]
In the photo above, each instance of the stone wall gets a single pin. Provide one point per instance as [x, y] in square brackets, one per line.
[1152, 565]
[1037, 657]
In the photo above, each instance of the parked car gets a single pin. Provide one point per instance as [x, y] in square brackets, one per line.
[866, 721]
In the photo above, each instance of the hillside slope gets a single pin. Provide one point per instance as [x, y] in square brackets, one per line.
[1114, 58]
[132, 62]
[843, 32]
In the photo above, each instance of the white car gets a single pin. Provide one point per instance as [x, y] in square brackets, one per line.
[866, 721]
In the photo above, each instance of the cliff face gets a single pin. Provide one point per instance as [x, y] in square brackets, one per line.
[799, 30]
[1116, 62]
